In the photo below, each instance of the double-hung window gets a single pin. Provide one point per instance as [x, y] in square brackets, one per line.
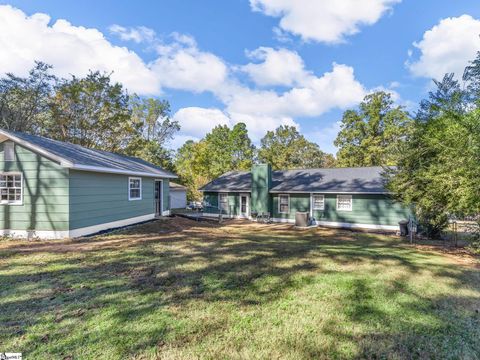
[134, 188]
[223, 201]
[344, 202]
[11, 188]
[318, 202]
[283, 204]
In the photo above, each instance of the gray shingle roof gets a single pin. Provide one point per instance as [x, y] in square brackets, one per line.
[176, 187]
[79, 157]
[334, 180]
[230, 181]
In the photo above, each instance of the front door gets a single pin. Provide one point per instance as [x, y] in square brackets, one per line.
[158, 197]
[244, 206]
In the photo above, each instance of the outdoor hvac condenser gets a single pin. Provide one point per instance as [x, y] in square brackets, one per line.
[301, 219]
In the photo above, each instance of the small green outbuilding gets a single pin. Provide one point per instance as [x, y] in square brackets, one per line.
[336, 197]
[53, 189]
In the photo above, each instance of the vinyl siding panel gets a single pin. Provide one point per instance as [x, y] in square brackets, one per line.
[97, 198]
[366, 209]
[45, 193]
[212, 199]
[298, 203]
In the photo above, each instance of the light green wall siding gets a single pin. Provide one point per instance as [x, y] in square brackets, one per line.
[97, 198]
[45, 193]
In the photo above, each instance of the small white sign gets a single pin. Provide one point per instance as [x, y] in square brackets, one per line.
[10, 356]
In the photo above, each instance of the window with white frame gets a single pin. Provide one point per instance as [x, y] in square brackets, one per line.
[11, 188]
[134, 188]
[344, 202]
[223, 201]
[318, 202]
[9, 151]
[283, 204]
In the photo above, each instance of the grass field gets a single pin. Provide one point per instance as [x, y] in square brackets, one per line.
[176, 289]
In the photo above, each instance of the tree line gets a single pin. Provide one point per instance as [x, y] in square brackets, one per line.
[90, 111]
[435, 151]
[94, 112]
[431, 156]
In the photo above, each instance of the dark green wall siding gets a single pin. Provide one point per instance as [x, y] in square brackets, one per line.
[45, 193]
[366, 209]
[97, 198]
[261, 185]
[212, 199]
[298, 202]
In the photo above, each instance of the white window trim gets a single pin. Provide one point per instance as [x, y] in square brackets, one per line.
[313, 202]
[19, 203]
[5, 151]
[134, 178]
[288, 197]
[220, 202]
[351, 202]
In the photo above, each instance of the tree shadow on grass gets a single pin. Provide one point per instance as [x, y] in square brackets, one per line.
[138, 277]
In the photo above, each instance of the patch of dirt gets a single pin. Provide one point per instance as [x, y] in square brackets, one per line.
[181, 228]
[458, 255]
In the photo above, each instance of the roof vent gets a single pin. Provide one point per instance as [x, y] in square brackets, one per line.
[9, 151]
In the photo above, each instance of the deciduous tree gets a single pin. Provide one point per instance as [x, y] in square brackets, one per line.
[371, 134]
[286, 148]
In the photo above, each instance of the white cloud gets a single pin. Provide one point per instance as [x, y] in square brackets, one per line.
[137, 34]
[323, 20]
[197, 121]
[183, 66]
[278, 67]
[180, 64]
[71, 49]
[335, 89]
[447, 47]
[76, 50]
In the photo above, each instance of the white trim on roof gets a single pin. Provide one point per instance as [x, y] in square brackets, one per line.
[37, 149]
[120, 171]
[68, 164]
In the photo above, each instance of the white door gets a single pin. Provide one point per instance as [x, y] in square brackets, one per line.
[244, 205]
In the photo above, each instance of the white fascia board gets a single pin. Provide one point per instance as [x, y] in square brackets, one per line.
[120, 171]
[47, 154]
[68, 164]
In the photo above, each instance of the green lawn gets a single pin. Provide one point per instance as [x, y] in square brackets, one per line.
[176, 289]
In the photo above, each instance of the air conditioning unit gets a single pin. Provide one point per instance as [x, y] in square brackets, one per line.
[302, 219]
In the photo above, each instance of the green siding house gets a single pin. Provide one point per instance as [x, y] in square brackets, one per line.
[338, 197]
[52, 189]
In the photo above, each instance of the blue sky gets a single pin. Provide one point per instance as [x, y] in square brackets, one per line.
[262, 62]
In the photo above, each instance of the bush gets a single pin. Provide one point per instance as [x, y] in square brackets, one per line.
[432, 224]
